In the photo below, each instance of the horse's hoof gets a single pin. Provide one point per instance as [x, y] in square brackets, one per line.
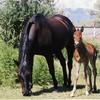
[30, 92]
[56, 87]
[94, 90]
[26, 93]
[69, 84]
[65, 85]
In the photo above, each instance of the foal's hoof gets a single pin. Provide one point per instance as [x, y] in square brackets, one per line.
[87, 93]
[27, 93]
[72, 94]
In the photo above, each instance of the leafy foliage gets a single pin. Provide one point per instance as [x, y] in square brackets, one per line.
[7, 66]
[97, 7]
[41, 73]
[12, 19]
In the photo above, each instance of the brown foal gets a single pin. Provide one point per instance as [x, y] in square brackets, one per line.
[84, 53]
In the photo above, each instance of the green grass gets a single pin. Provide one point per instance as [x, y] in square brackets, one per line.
[41, 92]
[45, 91]
[48, 93]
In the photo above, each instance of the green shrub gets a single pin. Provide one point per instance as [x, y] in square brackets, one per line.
[41, 73]
[7, 66]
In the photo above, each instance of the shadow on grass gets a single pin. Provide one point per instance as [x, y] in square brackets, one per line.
[97, 91]
[59, 89]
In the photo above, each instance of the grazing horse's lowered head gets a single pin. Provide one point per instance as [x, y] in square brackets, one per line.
[45, 36]
[84, 53]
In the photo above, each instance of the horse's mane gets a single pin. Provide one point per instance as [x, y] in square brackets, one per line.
[40, 19]
[25, 32]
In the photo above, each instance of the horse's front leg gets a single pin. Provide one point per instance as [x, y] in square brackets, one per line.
[27, 76]
[25, 83]
[30, 70]
[77, 65]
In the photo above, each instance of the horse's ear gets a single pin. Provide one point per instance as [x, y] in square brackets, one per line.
[82, 29]
[74, 29]
[16, 62]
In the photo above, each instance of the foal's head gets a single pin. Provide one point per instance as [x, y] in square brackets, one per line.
[78, 35]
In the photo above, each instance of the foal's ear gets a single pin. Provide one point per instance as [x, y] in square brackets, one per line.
[82, 29]
[16, 62]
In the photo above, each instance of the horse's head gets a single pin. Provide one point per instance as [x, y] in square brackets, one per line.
[24, 63]
[20, 74]
[78, 35]
[27, 43]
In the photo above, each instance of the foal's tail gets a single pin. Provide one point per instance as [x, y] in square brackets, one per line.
[95, 54]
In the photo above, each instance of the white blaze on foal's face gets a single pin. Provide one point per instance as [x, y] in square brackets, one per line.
[77, 36]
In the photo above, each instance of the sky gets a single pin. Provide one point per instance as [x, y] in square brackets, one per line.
[62, 4]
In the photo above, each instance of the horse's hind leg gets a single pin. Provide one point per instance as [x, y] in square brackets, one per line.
[70, 51]
[93, 63]
[50, 62]
[63, 64]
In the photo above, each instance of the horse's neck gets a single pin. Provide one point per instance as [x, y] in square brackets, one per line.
[82, 50]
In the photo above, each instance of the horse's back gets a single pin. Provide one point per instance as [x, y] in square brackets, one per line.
[61, 27]
[90, 48]
[50, 33]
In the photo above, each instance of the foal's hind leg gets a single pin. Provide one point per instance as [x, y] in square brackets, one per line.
[93, 63]
[50, 62]
[63, 64]
[90, 80]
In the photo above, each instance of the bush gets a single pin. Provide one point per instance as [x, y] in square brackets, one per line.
[41, 73]
[7, 66]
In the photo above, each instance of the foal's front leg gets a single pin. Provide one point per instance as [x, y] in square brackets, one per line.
[77, 65]
[85, 74]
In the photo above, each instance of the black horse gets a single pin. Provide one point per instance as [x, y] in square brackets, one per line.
[45, 36]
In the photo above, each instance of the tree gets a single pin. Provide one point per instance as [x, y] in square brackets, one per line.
[97, 13]
[11, 20]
